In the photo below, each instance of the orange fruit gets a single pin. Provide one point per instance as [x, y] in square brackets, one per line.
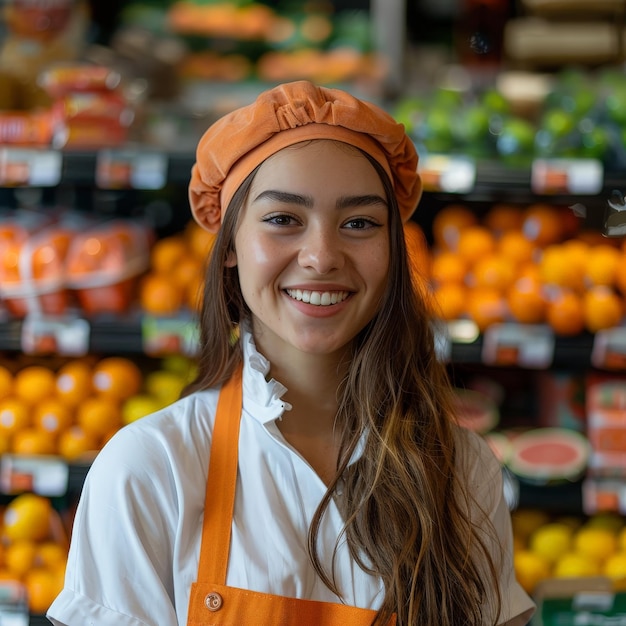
[543, 224]
[559, 266]
[449, 301]
[485, 306]
[199, 239]
[603, 308]
[116, 377]
[33, 441]
[448, 267]
[526, 301]
[530, 569]
[19, 557]
[75, 444]
[417, 250]
[51, 554]
[34, 383]
[449, 222]
[502, 218]
[494, 271]
[6, 382]
[193, 293]
[620, 276]
[186, 271]
[603, 263]
[52, 416]
[565, 312]
[475, 242]
[98, 415]
[515, 246]
[73, 382]
[42, 587]
[14, 415]
[27, 517]
[167, 252]
[159, 295]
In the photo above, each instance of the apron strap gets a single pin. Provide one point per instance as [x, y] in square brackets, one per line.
[221, 483]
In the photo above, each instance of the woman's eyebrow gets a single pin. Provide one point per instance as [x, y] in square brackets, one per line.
[285, 197]
[307, 201]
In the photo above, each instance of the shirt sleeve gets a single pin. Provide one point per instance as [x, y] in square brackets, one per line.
[119, 564]
[484, 475]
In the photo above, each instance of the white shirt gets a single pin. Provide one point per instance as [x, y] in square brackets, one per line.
[136, 534]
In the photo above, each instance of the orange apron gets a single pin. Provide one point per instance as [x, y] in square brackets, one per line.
[212, 603]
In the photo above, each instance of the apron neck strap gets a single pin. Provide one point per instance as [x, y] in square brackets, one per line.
[221, 483]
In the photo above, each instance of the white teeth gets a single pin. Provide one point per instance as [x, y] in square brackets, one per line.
[318, 298]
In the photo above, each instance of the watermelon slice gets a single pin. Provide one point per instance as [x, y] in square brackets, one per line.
[475, 411]
[549, 455]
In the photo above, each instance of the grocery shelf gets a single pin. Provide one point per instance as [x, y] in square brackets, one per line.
[492, 178]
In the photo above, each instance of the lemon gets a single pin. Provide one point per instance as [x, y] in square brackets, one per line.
[606, 520]
[551, 541]
[621, 539]
[595, 543]
[530, 569]
[575, 565]
[27, 517]
[615, 566]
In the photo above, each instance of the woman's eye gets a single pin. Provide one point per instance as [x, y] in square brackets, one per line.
[361, 223]
[280, 219]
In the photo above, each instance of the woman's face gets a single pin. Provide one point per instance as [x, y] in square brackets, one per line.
[312, 248]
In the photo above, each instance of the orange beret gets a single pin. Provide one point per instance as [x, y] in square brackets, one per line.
[287, 114]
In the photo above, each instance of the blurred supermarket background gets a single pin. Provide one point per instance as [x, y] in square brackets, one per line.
[518, 109]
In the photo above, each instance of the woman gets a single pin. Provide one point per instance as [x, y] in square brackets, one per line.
[339, 490]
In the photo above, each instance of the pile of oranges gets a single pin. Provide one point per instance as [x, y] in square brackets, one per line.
[528, 264]
[568, 547]
[70, 411]
[33, 549]
[176, 275]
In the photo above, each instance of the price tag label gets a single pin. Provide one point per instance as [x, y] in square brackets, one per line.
[448, 173]
[529, 346]
[13, 604]
[41, 474]
[63, 335]
[609, 349]
[169, 336]
[567, 176]
[35, 168]
[131, 169]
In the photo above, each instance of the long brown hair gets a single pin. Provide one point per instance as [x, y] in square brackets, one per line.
[406, 505]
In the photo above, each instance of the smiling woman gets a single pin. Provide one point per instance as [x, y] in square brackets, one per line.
[314, 472]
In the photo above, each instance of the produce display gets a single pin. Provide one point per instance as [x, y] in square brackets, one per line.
[531, 264]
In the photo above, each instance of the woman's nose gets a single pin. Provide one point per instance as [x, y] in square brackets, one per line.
[321, 250]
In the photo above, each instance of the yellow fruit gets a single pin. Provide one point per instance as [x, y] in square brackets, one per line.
[602, 265]
[615, 566]
[51, 554]
[530, 569]
[116, 377]
[33, 383]
[595, 543]
[575, 565]
[27, 517]
[167, 386]
[551, 541]
[621, 539]
[139, 406]
[611, 521]
[603, 308]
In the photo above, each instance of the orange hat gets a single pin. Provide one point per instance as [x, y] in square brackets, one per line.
[287, 114]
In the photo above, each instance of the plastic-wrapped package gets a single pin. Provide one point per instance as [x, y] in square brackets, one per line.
[104, 263]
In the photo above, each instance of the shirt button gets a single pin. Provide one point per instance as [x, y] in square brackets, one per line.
[213, 601]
